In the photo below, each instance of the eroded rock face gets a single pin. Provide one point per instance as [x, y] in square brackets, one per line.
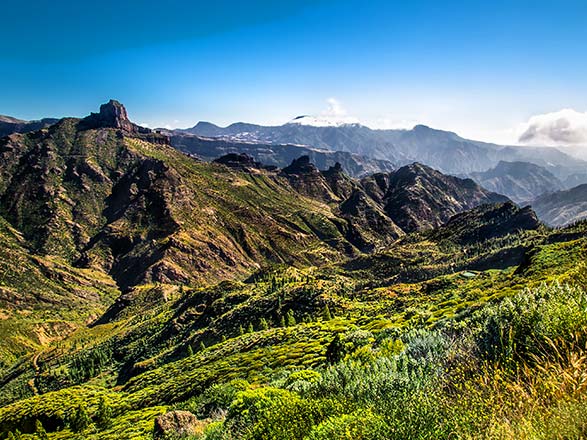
[112, 115]
[241, 161]
[177, 424]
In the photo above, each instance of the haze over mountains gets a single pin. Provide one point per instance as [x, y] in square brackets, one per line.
[442, 150]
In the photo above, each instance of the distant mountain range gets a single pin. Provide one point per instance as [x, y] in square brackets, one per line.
[520, 181]
[10, 125]
[523, 174]
[562, 207]
[279, 155]
[442, 150]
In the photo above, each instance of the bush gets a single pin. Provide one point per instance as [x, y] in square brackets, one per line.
[361, 425]
[271, 413]
[522, 326]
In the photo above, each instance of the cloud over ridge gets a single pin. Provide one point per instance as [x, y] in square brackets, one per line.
[564, 127]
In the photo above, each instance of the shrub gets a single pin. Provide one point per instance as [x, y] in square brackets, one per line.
[271, 413]
[361, 425]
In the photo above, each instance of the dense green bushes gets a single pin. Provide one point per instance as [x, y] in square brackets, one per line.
[509, 370]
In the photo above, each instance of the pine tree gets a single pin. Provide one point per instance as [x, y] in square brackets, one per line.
[190, 351]
[223, 338]
[335, 350]
[282, 321]
[241, 330]
[250, 328]
[202, 345]
[291, 320]
[40, 432]
[263, 324]
[104, 414]
[326, 315]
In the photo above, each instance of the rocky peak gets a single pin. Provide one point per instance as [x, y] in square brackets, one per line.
[240, 161]
[302, 165]
[333, 170]
[112, 115]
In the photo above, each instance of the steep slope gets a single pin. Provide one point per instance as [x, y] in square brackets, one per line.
[442, 150]
[104, 193]
[43, 299]
[520, 181]
[417, 197]
[562, 207]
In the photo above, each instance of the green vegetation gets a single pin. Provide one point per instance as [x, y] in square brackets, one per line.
[228, 294]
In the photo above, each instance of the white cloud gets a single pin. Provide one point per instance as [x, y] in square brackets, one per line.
[334, 115]
[335, 108]
[143, 124]
[566, 127]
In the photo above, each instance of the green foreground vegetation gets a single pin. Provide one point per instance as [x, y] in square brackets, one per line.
[329, 353]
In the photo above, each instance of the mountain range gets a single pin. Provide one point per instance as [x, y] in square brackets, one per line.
[442, 150]
[146, 293]
[560, 208]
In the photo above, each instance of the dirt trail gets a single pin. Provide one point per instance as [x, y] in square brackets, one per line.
[32, 382]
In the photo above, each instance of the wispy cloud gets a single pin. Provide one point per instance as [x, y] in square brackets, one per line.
[335, 108]
[564, 127]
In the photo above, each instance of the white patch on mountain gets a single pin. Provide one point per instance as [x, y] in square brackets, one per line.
[335, 115]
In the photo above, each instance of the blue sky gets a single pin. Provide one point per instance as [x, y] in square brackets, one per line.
[479, 68]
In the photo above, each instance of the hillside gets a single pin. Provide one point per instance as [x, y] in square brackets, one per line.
[520, 181]
[148, 294]
[561, 208]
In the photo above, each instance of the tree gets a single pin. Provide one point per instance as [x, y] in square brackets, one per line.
[202, 345]
[263, 324]
[104, 414]
[40, 432]
[250, 328]
[241, 330]
[335, 350]
[326, 315]
[281, 321]
[291, 320]
[190, 351]
[80, 420]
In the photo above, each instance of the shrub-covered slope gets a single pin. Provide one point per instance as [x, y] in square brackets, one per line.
[275, 303]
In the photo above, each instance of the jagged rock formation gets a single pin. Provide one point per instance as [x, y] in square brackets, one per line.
[111, 115]
[417, 197]
[305, 178]
[240, 161]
